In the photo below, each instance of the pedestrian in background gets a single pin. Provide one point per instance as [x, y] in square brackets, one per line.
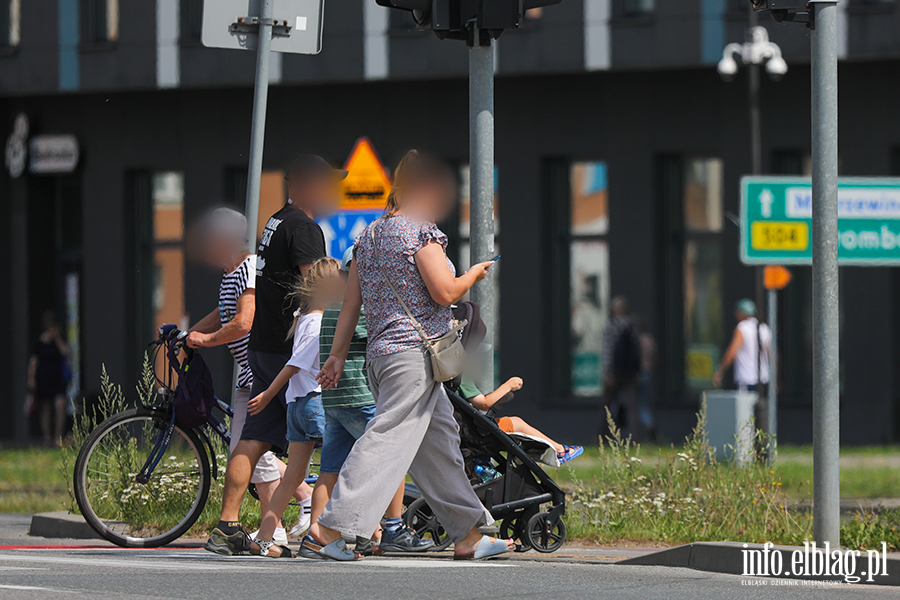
[621, 369]
[47, 380]
[743, 352]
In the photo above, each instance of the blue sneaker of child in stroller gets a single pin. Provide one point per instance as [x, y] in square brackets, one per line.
[503, 469]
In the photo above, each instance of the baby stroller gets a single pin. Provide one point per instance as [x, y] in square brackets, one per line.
[503, 468]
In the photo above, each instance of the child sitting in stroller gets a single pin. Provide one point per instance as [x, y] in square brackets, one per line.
[490, 404]
[485, 403]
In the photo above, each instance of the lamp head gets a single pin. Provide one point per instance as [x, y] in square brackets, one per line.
[727, 68]
[776, 68]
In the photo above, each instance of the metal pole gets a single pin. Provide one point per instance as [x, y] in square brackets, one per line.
[773, 375]
[753, 89]
[257, 135]
[258, 120]
[481, 190]
[826, 378]
[759, 292]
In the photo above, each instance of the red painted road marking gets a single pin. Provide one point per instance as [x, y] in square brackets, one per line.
[92, 547]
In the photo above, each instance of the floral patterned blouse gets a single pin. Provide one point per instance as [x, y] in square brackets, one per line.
[390, 329]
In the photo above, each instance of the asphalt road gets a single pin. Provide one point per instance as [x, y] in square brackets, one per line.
[112, 573]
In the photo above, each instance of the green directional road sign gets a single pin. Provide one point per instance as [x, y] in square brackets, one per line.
[776, 221]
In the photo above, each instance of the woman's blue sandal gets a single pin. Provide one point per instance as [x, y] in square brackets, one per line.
[485, 548]
[570, 453]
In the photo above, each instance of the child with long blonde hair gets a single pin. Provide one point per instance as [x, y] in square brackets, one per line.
[321, 286]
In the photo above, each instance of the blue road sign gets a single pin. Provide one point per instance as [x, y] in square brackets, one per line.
[341, 229]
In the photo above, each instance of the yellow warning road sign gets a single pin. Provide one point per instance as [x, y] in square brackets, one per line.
[367, 184]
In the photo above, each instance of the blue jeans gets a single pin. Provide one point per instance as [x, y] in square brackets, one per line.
[343, 426]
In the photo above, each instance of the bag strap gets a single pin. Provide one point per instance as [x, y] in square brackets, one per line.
[393, 289]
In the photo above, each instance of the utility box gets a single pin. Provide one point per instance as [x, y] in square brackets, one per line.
[730, 426]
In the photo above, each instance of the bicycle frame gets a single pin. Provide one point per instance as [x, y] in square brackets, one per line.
[169, 332]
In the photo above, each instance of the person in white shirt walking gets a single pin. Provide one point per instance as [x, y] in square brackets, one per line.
[743, 352]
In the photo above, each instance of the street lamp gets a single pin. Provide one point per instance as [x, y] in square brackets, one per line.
[756, 52]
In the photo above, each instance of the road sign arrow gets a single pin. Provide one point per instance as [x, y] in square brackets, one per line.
[765, 199]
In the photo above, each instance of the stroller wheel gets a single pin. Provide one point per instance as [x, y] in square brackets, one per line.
[420, 518]
[543, 534]
[511, 529]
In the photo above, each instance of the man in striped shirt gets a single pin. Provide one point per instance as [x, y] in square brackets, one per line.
[222, 242]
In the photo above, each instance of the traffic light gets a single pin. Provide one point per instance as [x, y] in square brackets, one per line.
[453, 19]
[438, 15]
[793, 5]
[783, 10]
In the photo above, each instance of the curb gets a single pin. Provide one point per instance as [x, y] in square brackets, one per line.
[61, 524]
[729, 557]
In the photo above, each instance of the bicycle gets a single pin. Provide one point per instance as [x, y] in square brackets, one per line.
[142, 480]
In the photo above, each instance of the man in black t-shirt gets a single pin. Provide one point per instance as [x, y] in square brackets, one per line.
[290, 243]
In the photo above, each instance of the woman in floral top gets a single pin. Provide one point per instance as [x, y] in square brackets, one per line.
[413, 429]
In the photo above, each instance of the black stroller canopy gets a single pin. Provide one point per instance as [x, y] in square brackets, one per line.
[475, 331]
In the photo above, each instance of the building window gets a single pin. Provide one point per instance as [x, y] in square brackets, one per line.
[168, 252]
[579, 285]
[588, 274]
[99, 21]
[638, 7]
[703, 310]
[191, 20]
[10, 21]
[692, 217]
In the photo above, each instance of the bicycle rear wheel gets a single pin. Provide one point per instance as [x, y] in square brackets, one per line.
[129, 512]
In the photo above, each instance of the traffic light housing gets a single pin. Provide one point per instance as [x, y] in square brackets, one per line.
[454, 19]
[768, 5]
[783, 10]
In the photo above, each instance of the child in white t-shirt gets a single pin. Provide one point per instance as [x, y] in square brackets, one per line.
[321, 286]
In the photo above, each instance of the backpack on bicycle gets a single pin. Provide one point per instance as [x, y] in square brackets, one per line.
[194, 397]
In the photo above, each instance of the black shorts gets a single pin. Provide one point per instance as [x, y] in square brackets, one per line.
[270, 425]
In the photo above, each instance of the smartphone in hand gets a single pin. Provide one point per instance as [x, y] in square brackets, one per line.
[496, 258]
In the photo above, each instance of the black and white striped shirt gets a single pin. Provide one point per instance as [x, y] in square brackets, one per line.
[233, 285]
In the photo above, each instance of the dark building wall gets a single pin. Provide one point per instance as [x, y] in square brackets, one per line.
[33, 66]
[554, 42]
[670, 36]
[341, 58]
[124, 63]
[630, 120]
[873, 28]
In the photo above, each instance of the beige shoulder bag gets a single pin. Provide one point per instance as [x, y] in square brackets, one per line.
[447, 352]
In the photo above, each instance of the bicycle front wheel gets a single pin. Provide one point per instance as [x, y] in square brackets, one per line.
[117, 503]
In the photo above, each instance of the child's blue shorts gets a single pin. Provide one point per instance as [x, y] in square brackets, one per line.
[306, 419]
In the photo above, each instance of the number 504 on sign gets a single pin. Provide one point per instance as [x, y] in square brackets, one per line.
[779, 235]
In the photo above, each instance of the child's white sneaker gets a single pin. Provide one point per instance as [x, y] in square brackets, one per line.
[302, 526]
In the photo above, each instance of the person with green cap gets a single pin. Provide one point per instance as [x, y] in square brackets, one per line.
[749, 367]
